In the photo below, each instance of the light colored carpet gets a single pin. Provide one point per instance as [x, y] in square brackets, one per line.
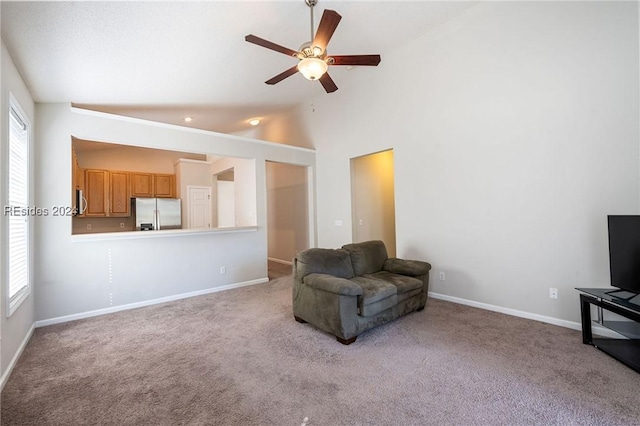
[239, 358]
[278, 270]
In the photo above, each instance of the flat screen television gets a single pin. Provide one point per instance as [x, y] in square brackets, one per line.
[624, 253]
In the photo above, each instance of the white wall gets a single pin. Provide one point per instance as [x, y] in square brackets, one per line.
[281, 127]
[515, 132]
[244, 178]
[15, 329]
[226, 204]
[74, 276]
[286, 127]
[192, 173]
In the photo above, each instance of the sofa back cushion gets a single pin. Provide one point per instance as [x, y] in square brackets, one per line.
[367, 257]
[324, 261]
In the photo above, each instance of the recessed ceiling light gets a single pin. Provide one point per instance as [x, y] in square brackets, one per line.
[188, 119]
[254, 122]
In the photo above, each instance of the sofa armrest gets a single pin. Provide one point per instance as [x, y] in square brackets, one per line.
[333, 284]
[414, 268]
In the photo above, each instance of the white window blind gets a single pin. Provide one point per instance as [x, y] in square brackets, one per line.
[18, 199]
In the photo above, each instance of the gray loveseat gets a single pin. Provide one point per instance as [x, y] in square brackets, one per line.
[352, 289]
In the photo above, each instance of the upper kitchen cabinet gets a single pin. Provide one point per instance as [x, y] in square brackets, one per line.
[119, 199]
[96, 184]
[106, 193]
[141, 184]
[164, 185]
[153, 185]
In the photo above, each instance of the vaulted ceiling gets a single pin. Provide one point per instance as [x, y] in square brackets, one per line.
[167, 60]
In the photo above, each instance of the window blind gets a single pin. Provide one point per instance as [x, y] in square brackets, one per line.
[18, 198]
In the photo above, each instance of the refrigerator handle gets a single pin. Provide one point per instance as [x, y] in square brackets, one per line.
[158, 219]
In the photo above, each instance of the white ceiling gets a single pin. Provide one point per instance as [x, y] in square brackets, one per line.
[166, 60]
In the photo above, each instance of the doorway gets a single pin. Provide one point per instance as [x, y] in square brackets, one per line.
[225, 199]
[288, 211]
[373, 199]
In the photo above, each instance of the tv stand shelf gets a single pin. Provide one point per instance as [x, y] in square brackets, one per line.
[625, 349]
[629, 329]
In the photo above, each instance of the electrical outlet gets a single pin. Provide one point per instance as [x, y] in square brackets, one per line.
[223, 270]
[553, 293]
[88, 226]
[121, 224]
[442, 276]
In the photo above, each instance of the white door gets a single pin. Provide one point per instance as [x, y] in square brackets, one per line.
[226, 204]
[199, 207]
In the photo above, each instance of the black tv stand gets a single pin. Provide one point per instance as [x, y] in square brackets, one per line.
[626, 348]
[613, 293]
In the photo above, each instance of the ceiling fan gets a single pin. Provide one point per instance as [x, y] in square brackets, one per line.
[313, 58]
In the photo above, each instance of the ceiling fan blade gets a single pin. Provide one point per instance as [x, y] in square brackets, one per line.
[372, 60]
[327, 83]
[269, 45]
[328, 24]
[288, 73]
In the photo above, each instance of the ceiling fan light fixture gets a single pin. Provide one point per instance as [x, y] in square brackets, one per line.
[313, 61]
[312, 68]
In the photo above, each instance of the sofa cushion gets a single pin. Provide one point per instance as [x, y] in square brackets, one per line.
[324, 261]
[403, 283]
[376, 296]
[409, 294]
[379, 306]
[333, 284]
[367, 257]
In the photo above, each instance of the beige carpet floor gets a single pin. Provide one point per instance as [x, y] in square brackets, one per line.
[238, 358]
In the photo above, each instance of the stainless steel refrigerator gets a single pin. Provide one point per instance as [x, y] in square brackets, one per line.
[154, 214]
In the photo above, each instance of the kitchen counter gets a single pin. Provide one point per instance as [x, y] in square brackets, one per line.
[129, 235]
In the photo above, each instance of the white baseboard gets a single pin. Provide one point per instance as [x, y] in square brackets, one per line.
[602, 331]
[113, 309]
[16, 356]
[284, 262]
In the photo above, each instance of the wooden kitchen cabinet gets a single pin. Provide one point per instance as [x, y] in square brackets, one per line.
[152, 185]
[164, 185]
[141, 184]
[108, 193]
[96, 192]
[119, 198]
